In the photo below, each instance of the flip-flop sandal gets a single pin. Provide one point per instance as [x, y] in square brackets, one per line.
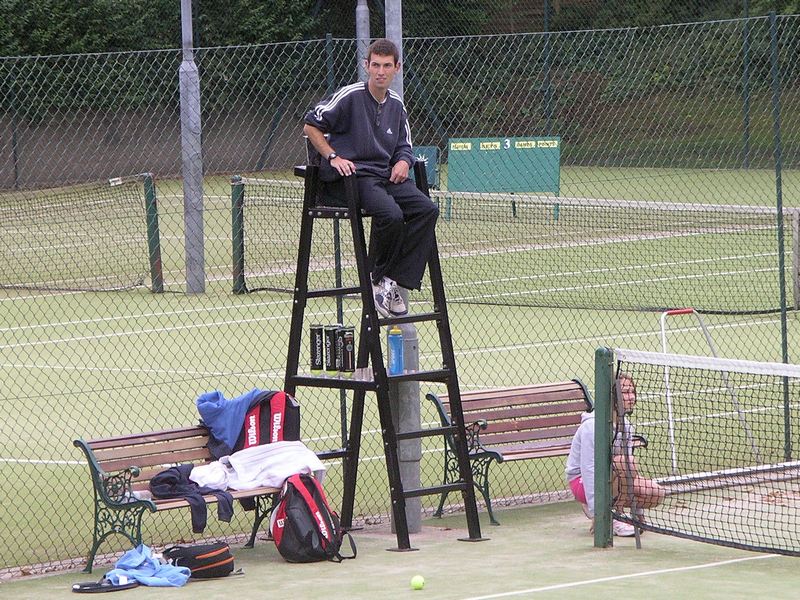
[104, 585]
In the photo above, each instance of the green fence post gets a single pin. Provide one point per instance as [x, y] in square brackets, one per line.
[777, 152]
[237, 234]
[153, 235]
[603, 376]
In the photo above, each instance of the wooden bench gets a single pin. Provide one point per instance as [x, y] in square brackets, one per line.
[121, 469]
[507, 424]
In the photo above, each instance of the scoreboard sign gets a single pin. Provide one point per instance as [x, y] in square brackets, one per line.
[515, 164]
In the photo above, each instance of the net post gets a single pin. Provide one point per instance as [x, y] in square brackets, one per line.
[153, 234]
[603, 376]
[237, 234]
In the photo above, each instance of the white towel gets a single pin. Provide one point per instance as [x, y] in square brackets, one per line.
[270, 465]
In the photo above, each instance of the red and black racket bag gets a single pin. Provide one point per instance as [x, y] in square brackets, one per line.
[274, 417]
[304, 527]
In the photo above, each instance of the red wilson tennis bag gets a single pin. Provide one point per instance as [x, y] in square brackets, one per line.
[304, 527]
[275, 417]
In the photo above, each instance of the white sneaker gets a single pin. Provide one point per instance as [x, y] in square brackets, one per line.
[383, 301]
[388, 301]
[398, 308]
[623, 529]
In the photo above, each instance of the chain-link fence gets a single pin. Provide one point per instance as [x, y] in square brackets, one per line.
[424, 18]
[669, 138]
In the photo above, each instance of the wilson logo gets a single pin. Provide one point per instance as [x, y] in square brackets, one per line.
[279, 523]
[321, 522]
[277, 424]
[252, 430]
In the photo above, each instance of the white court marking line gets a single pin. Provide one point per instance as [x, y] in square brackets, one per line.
[167, 313]
[425, 355]
[639, 283]
[32, 461]
[616, 269]
[561, 586]
[120, 334]
[596, 338]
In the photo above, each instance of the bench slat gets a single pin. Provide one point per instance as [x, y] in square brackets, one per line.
[572, 408]
[170, 503]
[150, 460]
[497, 439]
[500, 402]
[510, 392]
[146, 438]
[120, 453]
[540, 424]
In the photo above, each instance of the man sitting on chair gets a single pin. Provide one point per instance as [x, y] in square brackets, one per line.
[369, 138]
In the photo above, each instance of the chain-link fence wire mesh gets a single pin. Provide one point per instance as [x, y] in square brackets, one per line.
[424, 18]
[654, 114]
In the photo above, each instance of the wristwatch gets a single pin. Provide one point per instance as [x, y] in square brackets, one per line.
[331, 156]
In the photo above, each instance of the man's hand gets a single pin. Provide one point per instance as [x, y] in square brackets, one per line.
[343, 166]
[399, 172]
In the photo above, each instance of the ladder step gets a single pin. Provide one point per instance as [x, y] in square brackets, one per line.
[338, 383]
[410, 318]
[437, 489]
[337, 453]
[441, 375]
[413, 435]
[332, 292]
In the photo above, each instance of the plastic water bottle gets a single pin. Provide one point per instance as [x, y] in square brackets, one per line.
[395, 351]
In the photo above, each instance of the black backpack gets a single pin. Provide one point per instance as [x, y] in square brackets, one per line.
[203, 560]
[304, 527]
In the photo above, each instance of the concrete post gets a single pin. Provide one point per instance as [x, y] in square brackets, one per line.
[192, 158]
[362, 37]
[405, 405]
[394, 32]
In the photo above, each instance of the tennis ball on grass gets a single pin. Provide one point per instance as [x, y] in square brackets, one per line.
[417, 582]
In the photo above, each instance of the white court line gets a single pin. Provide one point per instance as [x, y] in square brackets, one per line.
[121, 334]
[598, 338]
[30, 461]
[561, 586]
[33, 461]
[424, 355]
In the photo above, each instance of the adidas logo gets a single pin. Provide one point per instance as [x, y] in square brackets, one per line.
[389, 131]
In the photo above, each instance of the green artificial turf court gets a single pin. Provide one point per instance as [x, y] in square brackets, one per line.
[91, 364]
[538, 552]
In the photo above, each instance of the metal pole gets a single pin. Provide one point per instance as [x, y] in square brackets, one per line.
[548, 92]
[192, 158]
[603, 376]
[14, 128]
[405, 396]
[746, 87]
[362, 37]
[394, 32]
[776, 125]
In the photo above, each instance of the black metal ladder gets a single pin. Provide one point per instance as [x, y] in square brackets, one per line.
[370, 353]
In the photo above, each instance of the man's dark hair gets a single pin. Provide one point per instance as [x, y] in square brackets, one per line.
[383, 47]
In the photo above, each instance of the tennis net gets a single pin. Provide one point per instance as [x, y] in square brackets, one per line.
[546, 251]
[722, 443]
[91, 237]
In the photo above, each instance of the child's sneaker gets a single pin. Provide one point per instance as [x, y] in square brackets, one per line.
[623, 529]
